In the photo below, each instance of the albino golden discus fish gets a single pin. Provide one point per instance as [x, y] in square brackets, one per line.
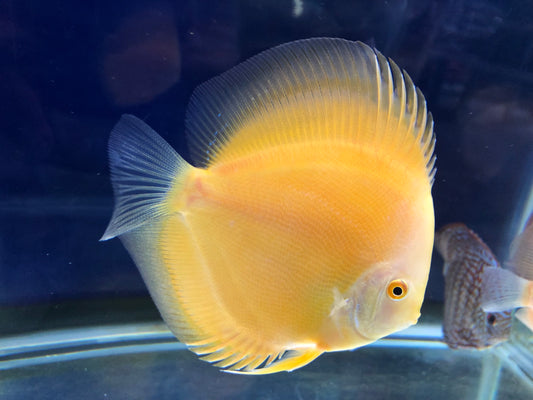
[466, 257]
[307, 225]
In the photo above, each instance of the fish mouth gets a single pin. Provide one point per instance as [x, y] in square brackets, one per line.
[412, 322]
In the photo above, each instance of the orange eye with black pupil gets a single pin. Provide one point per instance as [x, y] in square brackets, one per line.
[397, 289]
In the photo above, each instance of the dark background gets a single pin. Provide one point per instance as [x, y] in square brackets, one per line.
[69, 69]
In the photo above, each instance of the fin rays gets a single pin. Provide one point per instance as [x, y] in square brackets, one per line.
[243, 356]
[144, 169]
[314, 89]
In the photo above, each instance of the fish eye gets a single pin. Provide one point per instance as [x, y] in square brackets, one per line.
[491, 319]
[397, 289]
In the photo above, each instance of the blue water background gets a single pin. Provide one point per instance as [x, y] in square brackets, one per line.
[69, 69]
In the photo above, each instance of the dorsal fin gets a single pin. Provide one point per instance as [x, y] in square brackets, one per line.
[309, 90]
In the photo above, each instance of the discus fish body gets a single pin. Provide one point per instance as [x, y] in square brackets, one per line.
[465, 323]
[307, 225]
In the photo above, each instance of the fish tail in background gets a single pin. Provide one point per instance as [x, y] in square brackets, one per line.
[525, 315]
[502, 290]
[146, 173]
[521, 253]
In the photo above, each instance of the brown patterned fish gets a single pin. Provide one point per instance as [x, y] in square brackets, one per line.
[465, 324]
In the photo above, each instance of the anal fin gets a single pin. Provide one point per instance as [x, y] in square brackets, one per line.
[289, 361]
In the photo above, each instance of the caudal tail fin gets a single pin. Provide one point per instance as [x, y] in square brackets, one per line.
[145, 173]
[503, 290]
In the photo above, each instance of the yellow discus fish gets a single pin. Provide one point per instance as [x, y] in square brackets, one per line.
[307, 225]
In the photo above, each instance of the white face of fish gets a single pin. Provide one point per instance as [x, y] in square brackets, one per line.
[388, 297]
[386, 300]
